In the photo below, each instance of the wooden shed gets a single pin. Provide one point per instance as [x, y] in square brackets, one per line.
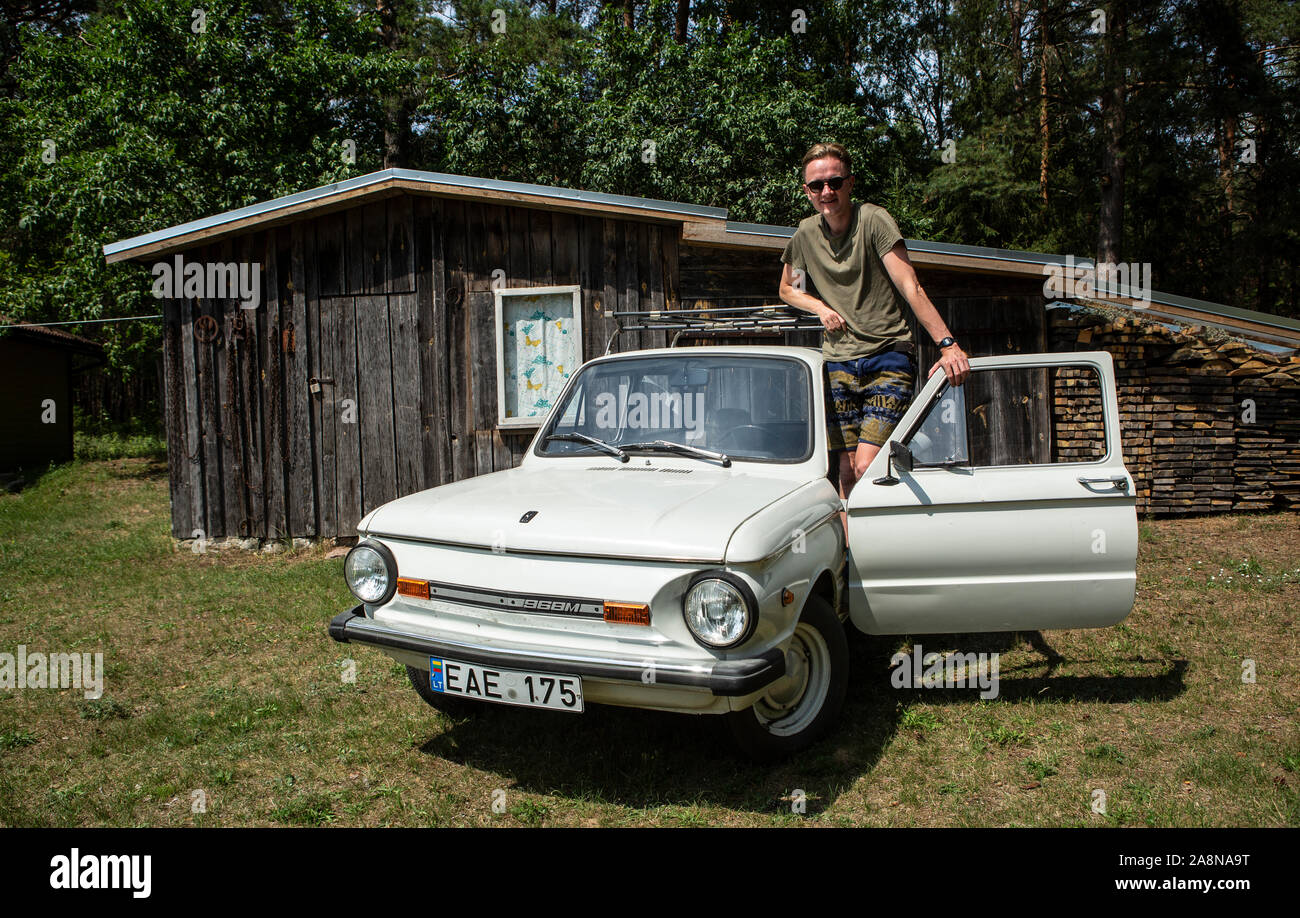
[38, 366]
[366, 365]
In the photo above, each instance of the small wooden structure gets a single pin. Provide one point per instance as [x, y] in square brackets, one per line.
[368, 367]
[37, 368]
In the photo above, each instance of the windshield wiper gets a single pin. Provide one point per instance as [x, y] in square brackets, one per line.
[670, 447]
[591, 441]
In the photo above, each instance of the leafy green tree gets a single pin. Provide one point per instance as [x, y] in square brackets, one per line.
[152, 115]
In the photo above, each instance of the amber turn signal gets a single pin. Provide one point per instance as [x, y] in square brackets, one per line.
[409, 587]
[627, 613]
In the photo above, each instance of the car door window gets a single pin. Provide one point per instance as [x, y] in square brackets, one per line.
[1012, 416]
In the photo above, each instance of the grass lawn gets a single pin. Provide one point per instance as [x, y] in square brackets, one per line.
[222, 688]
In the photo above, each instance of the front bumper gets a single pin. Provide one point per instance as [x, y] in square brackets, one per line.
[724, 678]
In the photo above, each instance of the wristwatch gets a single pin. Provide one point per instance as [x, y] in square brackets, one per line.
[946, 342]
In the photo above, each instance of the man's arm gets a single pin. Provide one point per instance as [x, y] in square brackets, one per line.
[831, 320]
[953, 358]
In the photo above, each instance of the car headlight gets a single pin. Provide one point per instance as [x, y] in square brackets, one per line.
[371, 573]
[719, 609]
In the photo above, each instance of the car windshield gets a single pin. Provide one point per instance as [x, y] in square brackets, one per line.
[748, 407]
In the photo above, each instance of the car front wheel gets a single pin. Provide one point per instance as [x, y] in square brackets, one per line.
[797, 708]
[447, 704]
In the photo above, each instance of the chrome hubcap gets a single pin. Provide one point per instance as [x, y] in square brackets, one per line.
[792, 703]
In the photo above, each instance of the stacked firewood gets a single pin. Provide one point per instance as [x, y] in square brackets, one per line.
[1210, 424]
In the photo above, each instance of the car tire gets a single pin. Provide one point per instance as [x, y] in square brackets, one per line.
[798, 708]
[447, 704]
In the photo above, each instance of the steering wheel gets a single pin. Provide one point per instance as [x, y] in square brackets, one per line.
[758, 432]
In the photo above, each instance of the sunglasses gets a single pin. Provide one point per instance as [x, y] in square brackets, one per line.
[816, 185]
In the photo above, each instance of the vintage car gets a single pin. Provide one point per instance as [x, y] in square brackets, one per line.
[671, 539]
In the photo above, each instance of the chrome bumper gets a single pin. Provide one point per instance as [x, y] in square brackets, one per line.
[730, 678]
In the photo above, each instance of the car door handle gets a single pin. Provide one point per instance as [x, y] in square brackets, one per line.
[1117, 482]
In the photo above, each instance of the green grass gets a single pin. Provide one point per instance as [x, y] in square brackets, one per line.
[99, 439]
[92, 448]
[222, 685]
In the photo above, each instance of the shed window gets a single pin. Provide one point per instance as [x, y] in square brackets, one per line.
[539, 346]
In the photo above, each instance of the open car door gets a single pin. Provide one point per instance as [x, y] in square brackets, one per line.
[1017, 512]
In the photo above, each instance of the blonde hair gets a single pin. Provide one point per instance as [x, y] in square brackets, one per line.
[822, 150]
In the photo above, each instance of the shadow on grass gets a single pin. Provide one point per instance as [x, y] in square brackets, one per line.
[1155, 679]
[150, 467]
[143, 468]
[644, 759]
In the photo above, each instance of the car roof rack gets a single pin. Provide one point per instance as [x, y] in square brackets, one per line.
[715, 320]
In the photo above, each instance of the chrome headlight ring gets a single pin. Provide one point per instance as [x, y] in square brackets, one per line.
[371, 572]
[719, 609]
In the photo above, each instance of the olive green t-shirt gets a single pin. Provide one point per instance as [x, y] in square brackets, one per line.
[850, 278]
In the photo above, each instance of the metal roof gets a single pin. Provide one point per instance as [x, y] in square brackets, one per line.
[921, 245]
[1289, 328]
[49, 335]
[268, 208]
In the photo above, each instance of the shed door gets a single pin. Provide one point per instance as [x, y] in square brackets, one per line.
[1018, 514]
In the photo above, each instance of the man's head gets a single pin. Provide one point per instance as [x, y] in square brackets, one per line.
[824, 166]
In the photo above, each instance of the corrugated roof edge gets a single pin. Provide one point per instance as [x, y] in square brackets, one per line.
[411, 175]
[1046, 259]
[43, 331]
[922, 245]
[594, 197]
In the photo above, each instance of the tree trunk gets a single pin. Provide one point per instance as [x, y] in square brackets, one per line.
[1044, 130]
[1110, 221]
[627, 13]
[1019, 81]
[683, 20]
[397, 108]
[1227, 153]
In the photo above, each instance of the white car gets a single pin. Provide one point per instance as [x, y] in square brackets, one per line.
[671, 539]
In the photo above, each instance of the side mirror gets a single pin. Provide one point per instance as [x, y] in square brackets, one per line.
[899, 455]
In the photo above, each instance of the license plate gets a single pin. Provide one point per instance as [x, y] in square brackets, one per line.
[507, 686]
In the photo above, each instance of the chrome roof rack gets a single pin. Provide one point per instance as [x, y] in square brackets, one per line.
[719, 320]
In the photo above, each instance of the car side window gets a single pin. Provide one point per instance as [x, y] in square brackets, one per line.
[1013, 416]
[941, 437]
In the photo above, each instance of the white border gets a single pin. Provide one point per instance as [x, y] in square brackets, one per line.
[497, 295]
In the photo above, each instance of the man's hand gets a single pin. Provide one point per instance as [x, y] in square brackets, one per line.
[954, 363]
[831, 320]
[799, 299]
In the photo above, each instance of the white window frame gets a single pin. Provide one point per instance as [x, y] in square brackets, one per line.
[498, 296]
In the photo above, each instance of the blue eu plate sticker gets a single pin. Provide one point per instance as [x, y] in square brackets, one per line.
[435, 674]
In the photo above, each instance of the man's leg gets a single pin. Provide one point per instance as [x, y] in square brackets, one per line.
[858, 460]
[843, 418]
[886, 388]
[847, 480]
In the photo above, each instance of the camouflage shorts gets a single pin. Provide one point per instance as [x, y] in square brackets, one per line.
[868, 398]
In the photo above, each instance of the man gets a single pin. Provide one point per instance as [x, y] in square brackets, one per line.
[857, 261]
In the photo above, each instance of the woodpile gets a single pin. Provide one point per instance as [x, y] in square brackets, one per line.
[1209, 425]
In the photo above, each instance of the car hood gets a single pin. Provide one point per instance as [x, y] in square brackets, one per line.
[622, 511]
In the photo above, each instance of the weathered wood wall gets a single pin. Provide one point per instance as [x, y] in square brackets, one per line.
[389, 308]
[987, 315]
